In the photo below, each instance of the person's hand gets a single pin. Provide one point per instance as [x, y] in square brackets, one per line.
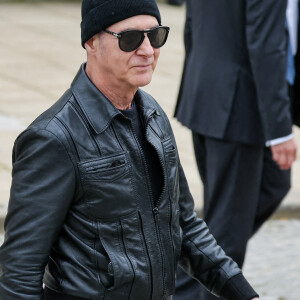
[255, 299]
[284, 154]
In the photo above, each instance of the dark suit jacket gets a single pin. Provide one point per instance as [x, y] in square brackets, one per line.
[296, 100]
[233, 85]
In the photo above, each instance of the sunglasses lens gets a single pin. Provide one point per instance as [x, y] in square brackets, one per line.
[158, 37]
[131, 40]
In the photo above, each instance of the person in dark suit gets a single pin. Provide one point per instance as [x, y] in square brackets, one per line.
[294, 86]
[234, 98]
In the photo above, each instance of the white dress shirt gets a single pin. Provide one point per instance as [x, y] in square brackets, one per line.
[292, 15]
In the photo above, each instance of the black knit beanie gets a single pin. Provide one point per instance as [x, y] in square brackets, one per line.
[100, 14]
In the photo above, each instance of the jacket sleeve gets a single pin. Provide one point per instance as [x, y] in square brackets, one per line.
[266, 37]
[43, 185]
[202, 258]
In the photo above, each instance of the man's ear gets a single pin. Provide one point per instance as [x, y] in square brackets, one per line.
[91, 45]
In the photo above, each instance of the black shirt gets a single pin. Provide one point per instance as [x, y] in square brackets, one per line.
[149, 154]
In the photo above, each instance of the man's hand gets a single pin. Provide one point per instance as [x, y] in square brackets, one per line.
[255, 299]
[284, 154]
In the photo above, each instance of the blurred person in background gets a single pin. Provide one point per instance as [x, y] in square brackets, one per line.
[234, 98]
[293, 71]
[99, 205]
[175, 2]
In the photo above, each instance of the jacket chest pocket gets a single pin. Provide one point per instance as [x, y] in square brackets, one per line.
[107, 183]
[171, 159]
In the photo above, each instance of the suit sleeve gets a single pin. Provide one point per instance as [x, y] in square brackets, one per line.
[267, 47]
[188, 48]
[296, 98]
[43, 185]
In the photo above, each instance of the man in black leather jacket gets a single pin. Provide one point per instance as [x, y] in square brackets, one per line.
[99, 206]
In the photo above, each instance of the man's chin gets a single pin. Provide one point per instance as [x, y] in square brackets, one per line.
[141, 85]
[144, 81]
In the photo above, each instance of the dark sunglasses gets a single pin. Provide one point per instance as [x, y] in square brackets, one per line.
[130, 40]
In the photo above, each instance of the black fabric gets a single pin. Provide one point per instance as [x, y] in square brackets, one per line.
[153, 165]
[53, 295]
[175, 2]
[295, 99]
[238, 288]
[100, 14]
[252, 188]
[187, 288]
[234, 96]
[233, 86]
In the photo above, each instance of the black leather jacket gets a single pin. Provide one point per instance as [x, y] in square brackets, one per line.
[80, 215]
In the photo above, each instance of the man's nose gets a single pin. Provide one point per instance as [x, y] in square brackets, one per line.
[146, 47]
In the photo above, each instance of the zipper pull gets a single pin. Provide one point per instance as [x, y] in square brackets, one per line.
[155, 210]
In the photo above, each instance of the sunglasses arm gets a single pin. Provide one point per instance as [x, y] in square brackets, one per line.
[113, 33]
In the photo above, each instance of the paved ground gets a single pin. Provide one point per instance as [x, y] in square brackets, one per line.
[39, 55]
[273, 260]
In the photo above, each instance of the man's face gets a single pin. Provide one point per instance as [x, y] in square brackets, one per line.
[127, 69]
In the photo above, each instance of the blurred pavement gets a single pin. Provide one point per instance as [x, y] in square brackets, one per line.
[40, 54]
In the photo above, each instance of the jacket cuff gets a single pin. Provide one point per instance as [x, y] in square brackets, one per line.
[238, 288]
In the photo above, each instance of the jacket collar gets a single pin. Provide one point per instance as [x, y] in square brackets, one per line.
[99, 110]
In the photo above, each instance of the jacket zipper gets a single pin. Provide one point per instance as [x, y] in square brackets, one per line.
[154, 208]
[156, 204]
[171, 212]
